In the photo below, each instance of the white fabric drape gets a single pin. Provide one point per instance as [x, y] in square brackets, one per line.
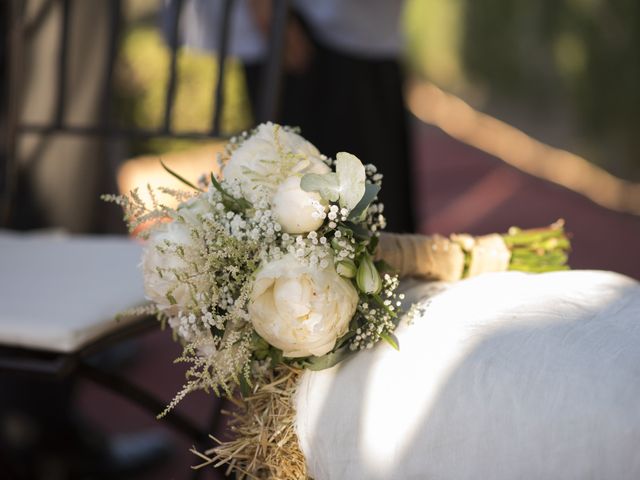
[503, 376]
[59, 292]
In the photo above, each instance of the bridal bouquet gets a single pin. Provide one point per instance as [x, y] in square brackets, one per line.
[279, 266]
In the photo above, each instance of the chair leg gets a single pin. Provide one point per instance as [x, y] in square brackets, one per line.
[140, 397]
[152, 405]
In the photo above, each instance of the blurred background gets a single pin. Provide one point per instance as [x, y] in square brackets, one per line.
[549, 88]
[519, 113]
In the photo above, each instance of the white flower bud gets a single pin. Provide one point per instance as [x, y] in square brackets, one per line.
[346, 268]
[294, 208]
[368, 278]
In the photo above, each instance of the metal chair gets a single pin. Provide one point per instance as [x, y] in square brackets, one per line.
[61, 362]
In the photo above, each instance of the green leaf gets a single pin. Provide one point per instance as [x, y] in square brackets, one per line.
[261, 349]
[216, 332]
[179, 177]
[373, 244]
[378, 299]
[217, 186]
[259, 343]
[326, 185]
[329, 360]
[276, 356]
[230, 202]
[245, 387]
[345, 339]
[391, 339]
[370, 192]
[171, 298]
[359, 232]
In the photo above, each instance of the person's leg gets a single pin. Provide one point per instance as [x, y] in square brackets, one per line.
[352, 104]
[347, 103]
[252, 74]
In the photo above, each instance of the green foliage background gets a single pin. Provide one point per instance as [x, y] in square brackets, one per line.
[578, 56]
[583, 54]
[142, 77]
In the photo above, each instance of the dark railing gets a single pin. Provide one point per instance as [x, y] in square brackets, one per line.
[13, 34]
[17, 32]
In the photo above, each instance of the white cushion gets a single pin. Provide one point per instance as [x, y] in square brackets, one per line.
[503, 376]
[60, 292]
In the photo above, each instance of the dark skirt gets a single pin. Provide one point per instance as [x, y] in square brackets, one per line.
[354, 104]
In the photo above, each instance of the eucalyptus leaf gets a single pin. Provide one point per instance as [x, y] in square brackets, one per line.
[351, 179]
[370, 192]
[329, 360]
[359, 232]
[326, 185]
[344, 340]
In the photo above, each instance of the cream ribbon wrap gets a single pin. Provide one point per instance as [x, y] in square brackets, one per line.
[440, 258]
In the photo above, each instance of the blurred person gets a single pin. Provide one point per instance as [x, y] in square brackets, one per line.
[343, 79]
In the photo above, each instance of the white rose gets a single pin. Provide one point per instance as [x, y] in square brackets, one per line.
[300, 309]
[295, 210]
[269, 156]
[164, 289]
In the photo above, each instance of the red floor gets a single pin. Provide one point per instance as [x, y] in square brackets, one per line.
[459, 189]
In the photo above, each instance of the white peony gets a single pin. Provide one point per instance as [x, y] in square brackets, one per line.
[295, 210]
[301, 309]
[269, 156]
[196, 207]
[160, 284]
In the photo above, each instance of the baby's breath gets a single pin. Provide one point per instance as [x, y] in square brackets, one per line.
[226, 240]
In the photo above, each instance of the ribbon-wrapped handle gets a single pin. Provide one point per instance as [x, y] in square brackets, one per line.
[441, 258]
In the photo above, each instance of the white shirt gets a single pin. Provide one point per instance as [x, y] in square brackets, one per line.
[369, 28]
[201, 26]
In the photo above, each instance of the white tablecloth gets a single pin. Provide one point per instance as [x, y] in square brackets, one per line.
[504, 376]
[59, 292]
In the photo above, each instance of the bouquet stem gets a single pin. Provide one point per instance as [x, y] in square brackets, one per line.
[264, 444]
[461, 255]
[539, 249]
